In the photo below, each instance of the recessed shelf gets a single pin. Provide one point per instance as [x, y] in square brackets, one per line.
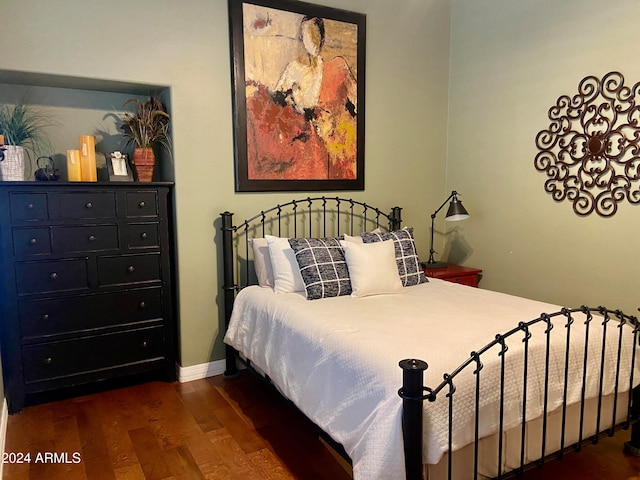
[12, 77]
[82, 106]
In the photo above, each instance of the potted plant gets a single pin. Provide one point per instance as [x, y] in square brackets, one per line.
[147, 127]
[22, 127]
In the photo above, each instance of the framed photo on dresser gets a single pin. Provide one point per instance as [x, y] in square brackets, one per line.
[119, 168]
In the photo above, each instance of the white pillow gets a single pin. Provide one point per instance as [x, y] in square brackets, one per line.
[286, 273]
[262, 262]
[349, 238]
[359, 239]
[372, 268]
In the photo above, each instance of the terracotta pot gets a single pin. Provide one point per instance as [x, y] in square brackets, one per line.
[144, 160]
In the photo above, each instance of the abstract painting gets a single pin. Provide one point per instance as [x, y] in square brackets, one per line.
[298, 90]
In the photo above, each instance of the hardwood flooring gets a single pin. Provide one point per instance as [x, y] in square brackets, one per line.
[210, 429]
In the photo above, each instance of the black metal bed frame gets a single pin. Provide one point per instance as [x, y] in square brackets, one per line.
[304, 216]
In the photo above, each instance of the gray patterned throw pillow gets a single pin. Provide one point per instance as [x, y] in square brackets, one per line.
[322, 266]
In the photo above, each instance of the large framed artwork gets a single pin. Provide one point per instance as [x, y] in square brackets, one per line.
[298, 96]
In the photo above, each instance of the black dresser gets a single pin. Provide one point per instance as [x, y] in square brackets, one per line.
[86, 284]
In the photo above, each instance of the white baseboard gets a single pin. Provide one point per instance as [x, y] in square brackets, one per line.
[203, 370]
[4, 417]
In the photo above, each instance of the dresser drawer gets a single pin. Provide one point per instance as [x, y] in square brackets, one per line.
[48, 361]
[28, 206]
[85, 238]
[125, 269]
[88, 205]
[51, 276]
[41, 318]
[30, 241]
[142, 204]
[143, 235]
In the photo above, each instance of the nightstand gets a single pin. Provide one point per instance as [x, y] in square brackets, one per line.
[455, 273]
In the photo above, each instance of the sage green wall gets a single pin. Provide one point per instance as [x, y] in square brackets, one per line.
[510, 61]
[163, 42]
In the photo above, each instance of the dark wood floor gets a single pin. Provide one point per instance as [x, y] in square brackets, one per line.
[210, 429]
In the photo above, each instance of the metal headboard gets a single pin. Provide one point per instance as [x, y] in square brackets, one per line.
[310, 217]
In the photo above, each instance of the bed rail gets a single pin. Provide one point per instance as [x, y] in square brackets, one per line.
[311, 217]
[413, 392]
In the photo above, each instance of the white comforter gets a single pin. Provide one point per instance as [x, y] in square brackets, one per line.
[337, 360]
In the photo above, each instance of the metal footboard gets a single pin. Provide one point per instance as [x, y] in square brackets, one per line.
[614, 324]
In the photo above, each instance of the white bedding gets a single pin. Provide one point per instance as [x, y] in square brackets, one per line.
[337, 360]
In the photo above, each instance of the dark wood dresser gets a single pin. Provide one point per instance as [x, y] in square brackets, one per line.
[86, 284]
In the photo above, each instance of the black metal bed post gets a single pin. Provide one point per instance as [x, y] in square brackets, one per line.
[632, 447]
[228, 287]
[412, 393]
[395, 218]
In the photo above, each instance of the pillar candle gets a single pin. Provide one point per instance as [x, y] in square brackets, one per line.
[73, 166]
[88, 158]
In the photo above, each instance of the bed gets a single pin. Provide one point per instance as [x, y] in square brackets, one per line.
[508, 385]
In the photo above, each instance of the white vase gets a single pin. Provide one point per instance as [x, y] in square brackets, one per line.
[12, 167]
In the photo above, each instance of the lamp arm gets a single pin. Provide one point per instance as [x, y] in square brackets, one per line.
[433, 220]
[453, 194]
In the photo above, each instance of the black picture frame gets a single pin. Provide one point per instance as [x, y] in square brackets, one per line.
[113, 177]
[326, 137]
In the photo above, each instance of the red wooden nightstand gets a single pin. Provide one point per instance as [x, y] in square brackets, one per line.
[455, 273]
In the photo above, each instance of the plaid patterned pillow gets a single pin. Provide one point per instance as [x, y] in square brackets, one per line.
[322, 266]
[406, 255]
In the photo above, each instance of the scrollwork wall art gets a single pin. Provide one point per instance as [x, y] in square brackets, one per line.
[590, 152]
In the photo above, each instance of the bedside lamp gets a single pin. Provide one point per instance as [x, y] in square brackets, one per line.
[455, 213]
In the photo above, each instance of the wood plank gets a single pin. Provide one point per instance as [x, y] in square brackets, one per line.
[233, 456]
[150, 454]
[201, 406]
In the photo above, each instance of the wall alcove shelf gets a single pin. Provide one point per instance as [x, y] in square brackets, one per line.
[12, 77]
[82, 106]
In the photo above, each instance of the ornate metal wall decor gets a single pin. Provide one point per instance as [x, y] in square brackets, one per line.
[591, 150]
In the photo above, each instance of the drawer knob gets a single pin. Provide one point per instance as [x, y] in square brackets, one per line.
[142, 305]
[144, 344]
[53, 276]
[30, 206]
[142, 205]
[45, 316]
[131, 269]
[33, 241]
[48, 361]
[89, 205]
[92, 238]
[144, 235]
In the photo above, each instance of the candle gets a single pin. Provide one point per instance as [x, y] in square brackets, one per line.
[73, 166]
[88, 158]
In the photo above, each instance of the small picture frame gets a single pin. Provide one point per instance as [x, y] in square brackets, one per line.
[119, 168]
